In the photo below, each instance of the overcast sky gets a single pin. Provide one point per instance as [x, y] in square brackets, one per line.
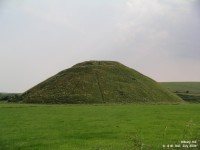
[39, 38]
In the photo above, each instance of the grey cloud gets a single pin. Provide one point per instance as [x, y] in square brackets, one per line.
[40, 38]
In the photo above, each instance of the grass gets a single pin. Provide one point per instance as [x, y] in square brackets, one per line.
[96, 127]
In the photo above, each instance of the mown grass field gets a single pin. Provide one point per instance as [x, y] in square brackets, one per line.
[92, 127]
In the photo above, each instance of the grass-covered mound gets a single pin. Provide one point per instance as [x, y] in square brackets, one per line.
[99, 82]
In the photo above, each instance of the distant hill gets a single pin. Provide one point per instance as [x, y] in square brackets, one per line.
[192, 87]
[99, 82]
[8, 96]
[188, 91]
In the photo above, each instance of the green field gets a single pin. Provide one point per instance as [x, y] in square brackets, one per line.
[97, 127]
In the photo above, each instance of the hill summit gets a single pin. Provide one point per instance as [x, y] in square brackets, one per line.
[98, 82]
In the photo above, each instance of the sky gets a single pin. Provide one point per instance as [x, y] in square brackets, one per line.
[39, 38]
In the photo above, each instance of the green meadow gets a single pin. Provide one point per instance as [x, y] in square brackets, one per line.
[97, 127]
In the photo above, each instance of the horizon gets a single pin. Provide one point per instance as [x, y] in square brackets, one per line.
[38, 39]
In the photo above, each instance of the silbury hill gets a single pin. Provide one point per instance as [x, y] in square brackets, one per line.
[99, 82]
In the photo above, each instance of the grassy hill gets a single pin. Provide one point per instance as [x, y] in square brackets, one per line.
[99, 82]
[188, 91]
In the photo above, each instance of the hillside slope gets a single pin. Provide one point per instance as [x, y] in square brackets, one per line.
[99, 82]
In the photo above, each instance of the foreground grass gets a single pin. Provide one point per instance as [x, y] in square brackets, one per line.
[102, 127]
